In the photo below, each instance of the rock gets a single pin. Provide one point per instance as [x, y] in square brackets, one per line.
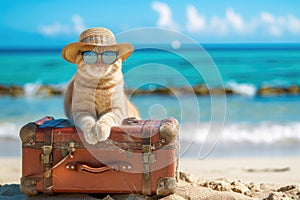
[292, 191]
[253, 187]
[286, 192]
[189, 178]
[108, 198]
[271, 91]
[164, 90]
[186, 90]
[221, 91]
[47, 90]
[287, 188]
[44, 91]
[58, 92]
[161, 91]
[278, 91]
[16, 91]
[293, 89]
[4, 90]
[200, 89]
[277, 196]
[239, 187]
[229, 91]
[218, 184]
[13, 90]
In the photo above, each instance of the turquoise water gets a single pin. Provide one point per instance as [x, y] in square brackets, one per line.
[247, 118]
[259, 65]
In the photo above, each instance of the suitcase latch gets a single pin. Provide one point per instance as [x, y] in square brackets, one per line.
[46, 156]
[148, 157]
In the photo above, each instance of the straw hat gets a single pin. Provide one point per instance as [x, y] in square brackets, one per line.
[96, 37]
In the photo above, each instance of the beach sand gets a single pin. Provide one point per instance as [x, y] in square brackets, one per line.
[210, 178]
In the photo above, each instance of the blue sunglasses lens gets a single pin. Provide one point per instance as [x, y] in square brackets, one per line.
[108, 57]
[89, 57]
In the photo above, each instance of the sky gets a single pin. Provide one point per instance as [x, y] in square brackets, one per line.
[54, 23]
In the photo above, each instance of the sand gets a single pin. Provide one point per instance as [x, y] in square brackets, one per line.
[210, 178]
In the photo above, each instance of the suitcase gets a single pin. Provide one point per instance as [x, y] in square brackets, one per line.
[140, 156]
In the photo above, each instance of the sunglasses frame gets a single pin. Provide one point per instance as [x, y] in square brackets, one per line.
[101, 54]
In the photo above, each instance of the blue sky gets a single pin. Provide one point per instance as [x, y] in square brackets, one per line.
[54, 23]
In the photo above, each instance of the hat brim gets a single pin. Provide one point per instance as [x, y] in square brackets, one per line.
[71, 51]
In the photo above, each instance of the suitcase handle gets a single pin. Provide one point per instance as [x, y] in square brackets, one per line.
[79, 167]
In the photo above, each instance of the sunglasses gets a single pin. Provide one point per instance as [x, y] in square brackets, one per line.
[107, 57]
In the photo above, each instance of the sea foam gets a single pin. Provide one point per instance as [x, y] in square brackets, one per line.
[246, 89]
[261, 133]
[9, 130]
[234, 133]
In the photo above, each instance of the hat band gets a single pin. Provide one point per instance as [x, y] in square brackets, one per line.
[99, 40]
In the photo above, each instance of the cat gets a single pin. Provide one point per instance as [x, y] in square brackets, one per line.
[95, 99]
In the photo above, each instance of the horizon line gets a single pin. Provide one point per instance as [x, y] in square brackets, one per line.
[229, 45]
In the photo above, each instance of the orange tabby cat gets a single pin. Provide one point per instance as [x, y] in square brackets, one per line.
[95, 99]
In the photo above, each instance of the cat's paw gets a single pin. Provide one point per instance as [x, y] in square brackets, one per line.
[91, 136]
[103, 131]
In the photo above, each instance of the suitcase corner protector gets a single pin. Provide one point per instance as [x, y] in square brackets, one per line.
[28, 133]
[169, 130]
[166, 186]
[28, 185]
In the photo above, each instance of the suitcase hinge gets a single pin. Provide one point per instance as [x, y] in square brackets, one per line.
[46, 156]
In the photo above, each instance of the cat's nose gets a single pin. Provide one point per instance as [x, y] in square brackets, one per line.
[99, 63]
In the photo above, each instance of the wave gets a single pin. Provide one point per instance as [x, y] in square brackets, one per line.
[234, 133]
[246, 89]
[265, 133]
[231, 87]
[37, 88]
[30, 89]
[9, 130]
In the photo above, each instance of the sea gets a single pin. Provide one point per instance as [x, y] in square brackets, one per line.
[215, 125]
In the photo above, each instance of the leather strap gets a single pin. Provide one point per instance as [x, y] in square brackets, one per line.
[146, 159]
[47, 162]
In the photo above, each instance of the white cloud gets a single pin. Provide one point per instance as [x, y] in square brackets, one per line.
[78, 23]
[195, 22]
[232, 23]
[60, 29]
[53, 29]
[273, 25]
[235, 20]
[276, 26]
[267, 18]
[165, 19]
[293, 24]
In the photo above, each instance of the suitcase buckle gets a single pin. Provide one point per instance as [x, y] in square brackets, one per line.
[46, 157]
[148, 157]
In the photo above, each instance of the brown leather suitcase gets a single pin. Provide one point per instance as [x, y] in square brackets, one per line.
[140, 156]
